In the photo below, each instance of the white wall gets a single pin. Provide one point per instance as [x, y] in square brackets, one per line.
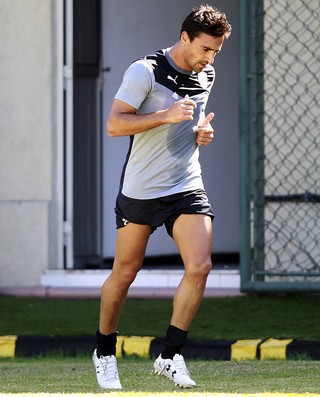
[26, 140]
[131, 32]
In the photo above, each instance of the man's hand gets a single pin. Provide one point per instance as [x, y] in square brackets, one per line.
[180, 110]
[204, 131]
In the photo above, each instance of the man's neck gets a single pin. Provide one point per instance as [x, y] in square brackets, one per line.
[176, 55]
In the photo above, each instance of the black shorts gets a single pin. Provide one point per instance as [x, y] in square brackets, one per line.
[163, 210]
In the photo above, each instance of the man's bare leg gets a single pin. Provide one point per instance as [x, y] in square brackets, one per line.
[193, 236]
[130, 250]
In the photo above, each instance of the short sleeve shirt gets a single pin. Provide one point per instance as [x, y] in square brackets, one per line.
[163, 160]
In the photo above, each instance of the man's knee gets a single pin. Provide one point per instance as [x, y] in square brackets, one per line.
[126, 272]
[199, 269]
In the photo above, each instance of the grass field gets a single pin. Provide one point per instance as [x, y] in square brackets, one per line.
[288, 316]
[294, 316]
[76, 376]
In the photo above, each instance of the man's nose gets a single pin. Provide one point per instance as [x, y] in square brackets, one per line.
[210, 59]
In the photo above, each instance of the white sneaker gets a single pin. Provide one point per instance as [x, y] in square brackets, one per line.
[175, 370]
[106, 371]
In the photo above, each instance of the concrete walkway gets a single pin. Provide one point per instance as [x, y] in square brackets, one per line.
[85, 292]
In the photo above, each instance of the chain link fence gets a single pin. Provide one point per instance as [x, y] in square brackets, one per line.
[284, 144]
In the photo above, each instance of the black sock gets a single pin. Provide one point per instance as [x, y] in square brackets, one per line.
[174, 341]
[106, 344]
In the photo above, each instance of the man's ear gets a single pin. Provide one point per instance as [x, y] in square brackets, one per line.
[185, 38]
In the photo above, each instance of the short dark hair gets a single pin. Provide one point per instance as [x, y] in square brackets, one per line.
[206, 19]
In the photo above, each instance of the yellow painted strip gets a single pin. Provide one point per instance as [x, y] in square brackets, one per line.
[137, 345]
[7, 345]
[119, 346]
[245, 349]
[274, 349]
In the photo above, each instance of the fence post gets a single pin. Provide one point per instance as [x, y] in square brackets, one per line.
[245, 188]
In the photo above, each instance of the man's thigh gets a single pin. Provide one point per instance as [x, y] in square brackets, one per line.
[131, 244]
[193, 236]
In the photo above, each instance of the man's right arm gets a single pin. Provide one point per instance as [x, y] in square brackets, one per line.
[124, 121]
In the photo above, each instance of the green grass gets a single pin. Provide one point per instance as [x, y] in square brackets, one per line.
[293, 316]
[66, 375]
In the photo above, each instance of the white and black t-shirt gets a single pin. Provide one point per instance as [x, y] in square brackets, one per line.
[163, 160]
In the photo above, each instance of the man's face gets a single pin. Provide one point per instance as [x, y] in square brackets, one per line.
[201, 51]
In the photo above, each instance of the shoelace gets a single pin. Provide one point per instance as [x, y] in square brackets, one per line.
[177, 364]
[109, 367]
[181, 366]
